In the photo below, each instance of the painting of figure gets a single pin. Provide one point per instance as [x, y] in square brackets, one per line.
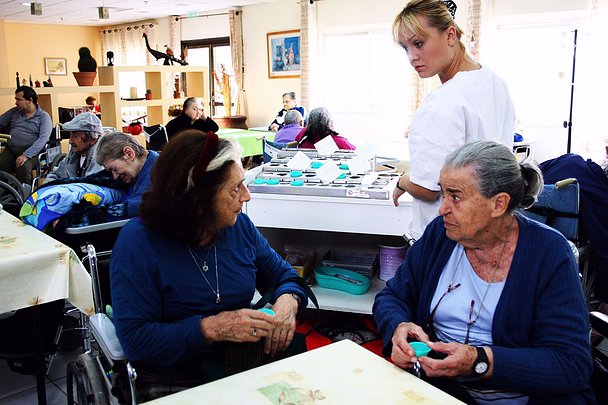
[283, 54]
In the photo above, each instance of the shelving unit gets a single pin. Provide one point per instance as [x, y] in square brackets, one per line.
[323, 223]
[48, 97]
[160, 80]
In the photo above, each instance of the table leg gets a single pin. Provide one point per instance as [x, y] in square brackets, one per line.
[39, 358]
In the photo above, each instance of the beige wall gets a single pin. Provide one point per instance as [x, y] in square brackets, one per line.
[26, 46]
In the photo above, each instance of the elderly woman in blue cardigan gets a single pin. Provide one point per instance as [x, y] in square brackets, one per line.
[495, 295]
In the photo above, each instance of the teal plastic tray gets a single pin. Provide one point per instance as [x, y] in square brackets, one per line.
[342, 279]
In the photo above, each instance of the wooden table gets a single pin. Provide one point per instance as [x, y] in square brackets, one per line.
[37, 269]
[340, 373]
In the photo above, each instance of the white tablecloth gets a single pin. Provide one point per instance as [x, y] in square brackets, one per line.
[340, 373]
[35, 269]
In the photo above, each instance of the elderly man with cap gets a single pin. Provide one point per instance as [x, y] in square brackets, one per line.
[85, 129]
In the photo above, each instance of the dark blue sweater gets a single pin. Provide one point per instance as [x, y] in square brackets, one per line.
[159, 295]
[540, 329]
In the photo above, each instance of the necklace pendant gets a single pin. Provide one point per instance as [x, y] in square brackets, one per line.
[205, 267]
[217, 298]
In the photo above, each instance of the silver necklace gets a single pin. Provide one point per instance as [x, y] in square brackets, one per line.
[494, 268]
[216, 291]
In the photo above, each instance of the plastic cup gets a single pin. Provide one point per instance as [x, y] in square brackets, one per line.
[420, 349]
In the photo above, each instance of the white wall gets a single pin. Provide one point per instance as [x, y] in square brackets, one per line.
[214, 26]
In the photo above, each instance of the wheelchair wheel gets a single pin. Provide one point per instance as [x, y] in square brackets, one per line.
[10, 199]
[13, 182]
[86, 382]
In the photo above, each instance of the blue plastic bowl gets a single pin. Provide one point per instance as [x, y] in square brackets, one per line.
[420, 349]
[341, 279]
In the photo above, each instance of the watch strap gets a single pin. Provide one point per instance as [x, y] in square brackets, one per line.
[482, 363]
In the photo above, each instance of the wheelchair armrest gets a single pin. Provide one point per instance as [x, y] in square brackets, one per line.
[599, 322]
[105, 333]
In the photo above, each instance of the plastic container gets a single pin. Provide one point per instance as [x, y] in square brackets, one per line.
[362, 262]
[420, 349]
[390, 258]
[342, 279]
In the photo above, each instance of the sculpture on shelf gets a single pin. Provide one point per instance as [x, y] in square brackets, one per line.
[168, 59]
[224, 86]
[87, 68]
[110, 58]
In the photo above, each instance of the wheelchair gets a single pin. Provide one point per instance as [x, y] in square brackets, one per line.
[156, 137]
[89, 378]
[558, 206]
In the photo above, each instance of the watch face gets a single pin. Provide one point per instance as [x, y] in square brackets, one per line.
[481, 367]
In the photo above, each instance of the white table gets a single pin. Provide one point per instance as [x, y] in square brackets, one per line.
[36, 269]
[340, 373]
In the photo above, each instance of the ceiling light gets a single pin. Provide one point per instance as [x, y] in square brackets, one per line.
[35, 8]
[104, 13]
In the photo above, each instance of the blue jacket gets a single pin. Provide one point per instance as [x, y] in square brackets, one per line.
[159, 296]
[540, 329]
[143, 182]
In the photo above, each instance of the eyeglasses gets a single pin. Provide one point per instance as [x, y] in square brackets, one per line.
[470, 322]
[429, 325]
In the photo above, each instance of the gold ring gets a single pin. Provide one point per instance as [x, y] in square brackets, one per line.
[254, 332]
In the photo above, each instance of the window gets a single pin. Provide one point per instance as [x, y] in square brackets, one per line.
[364, 79]
[212, 52]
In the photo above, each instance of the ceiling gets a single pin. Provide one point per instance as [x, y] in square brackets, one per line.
[84, 12]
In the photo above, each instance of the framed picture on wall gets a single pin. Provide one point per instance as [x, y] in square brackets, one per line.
[55, 66]
[283, 54]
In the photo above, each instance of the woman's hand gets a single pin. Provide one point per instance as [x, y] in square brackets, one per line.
[285, 309]
[402, 353]
[274, 127]
[459, 361]
[201, 114]
[243, 325]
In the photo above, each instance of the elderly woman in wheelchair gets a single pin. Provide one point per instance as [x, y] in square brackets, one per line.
[183, 275]
[495, 295]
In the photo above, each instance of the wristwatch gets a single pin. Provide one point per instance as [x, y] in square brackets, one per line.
[481, 365]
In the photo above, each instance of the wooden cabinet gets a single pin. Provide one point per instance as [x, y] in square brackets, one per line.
[193, 82]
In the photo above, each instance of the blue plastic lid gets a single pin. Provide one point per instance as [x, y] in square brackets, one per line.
[343, 166]
[420, 349]
[316, 165]
[295, 173]
[273, 182]
[297, 183]
[260, 181]
[342, 176]
[267, 310]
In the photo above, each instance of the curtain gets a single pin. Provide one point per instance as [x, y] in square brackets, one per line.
[236, 49]
[308, 51]
[128, 45]
[473, 32]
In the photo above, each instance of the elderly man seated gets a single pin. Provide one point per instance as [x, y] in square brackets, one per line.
[85, 129]
[292, 127]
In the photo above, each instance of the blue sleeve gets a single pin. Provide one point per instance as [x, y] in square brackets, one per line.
[5, 120]
[273, 269]
[142, 184]
[558, 358]
[44, 133]
[137, 304]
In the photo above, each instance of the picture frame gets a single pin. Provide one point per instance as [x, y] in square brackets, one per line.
[55, 66]
[283, 54]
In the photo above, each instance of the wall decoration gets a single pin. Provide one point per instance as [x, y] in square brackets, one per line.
[55, 66]
[283, 54]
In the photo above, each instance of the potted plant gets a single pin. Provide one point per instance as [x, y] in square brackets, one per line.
[87, 67]
[148, 94]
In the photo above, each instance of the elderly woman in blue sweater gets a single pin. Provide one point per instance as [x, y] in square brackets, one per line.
[495, 295]
[183, 275]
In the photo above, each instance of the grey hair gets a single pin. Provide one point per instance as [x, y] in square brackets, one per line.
[290, 94]
[496, 170]
[293, 117]
[91, 135]
[189, 101]
[228, 150]
[111, 146]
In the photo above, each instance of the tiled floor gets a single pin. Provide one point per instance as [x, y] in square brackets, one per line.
[17, 389]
